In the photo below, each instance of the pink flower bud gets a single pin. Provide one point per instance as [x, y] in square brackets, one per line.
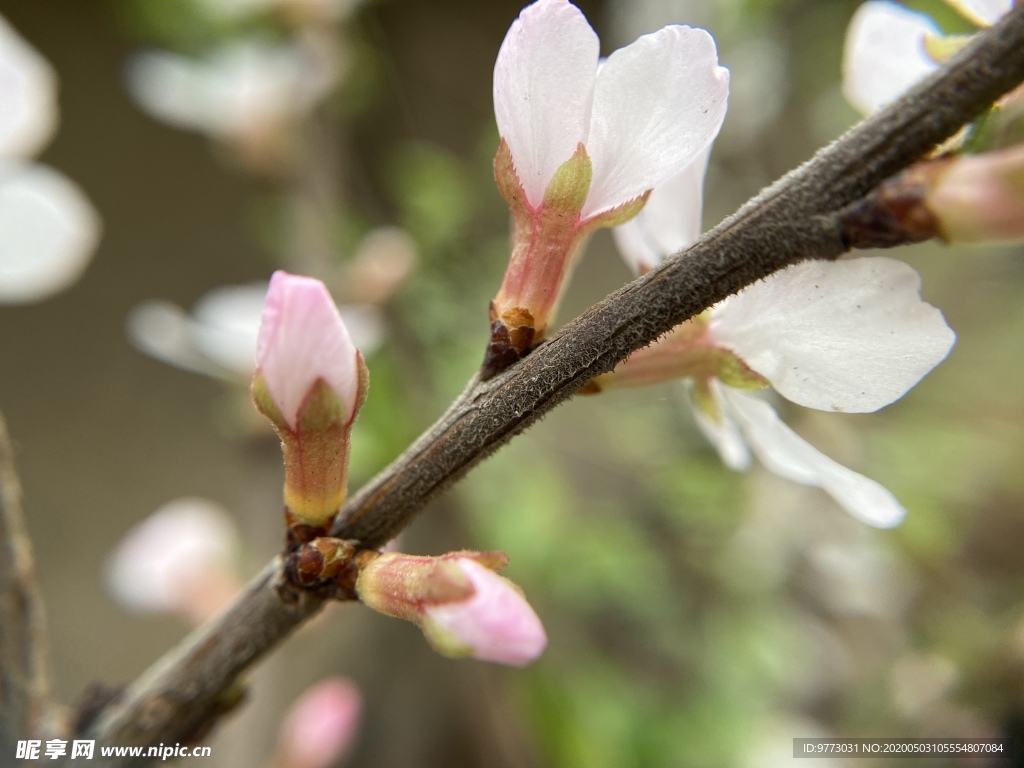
[463, 607]
[310, 382]
[303, 340]
[319, 729]
[979, 198]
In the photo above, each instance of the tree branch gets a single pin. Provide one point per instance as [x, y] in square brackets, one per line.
[792, 220]
[27, 709]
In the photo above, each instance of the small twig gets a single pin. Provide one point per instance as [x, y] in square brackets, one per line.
[27, 709]
[792, 220]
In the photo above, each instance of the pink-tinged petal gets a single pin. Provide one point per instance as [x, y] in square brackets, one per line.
[984, 13]
[49, 232]
[179, 559]
[496, 623]
[658, 103]
[788, 455]
[884, 53]
[669, 222]
[721, 430]
[837, 336]
[302, 339]
[28, 96]
[543, 88]
[320, 727]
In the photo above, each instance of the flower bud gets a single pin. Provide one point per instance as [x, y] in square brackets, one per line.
[310, 382]
[463, 607]
[979, 198]
[321, 725]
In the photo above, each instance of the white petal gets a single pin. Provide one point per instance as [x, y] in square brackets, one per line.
[723, 432]
[669, 222]
[543, 88]
[884, 53]
[28, 96]
[657, 103]
[48, 232]
[837, 336]
[788, 455]
[984, 13]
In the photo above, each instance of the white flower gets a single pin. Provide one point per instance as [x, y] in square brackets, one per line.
[643, 114]
[48, 230]
[246, 94]
[583, 142]
[887, 51]
[28, 96]
[849, 336]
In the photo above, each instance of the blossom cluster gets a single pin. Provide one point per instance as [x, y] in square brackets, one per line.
[630, 140]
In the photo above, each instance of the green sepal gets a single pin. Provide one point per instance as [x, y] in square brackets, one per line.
[620, 214]
[704, 400]
[941, 48]
[568, 189]
[264, 403]
[734, 373]
[444, 642]
[507, 179]
[322, 409]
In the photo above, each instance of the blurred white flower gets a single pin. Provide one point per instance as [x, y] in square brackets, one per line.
[48, 232]
[28, 96]
[245, 94]
[181, 559]
[219, 337]
[890, 47]
[48, 229]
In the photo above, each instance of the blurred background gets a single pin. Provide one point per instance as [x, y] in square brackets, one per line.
[696, 617]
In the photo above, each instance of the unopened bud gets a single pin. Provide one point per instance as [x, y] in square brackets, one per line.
[321, 725]
[463, 607]
[310, 382]
[319, 560]
[980, 198]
